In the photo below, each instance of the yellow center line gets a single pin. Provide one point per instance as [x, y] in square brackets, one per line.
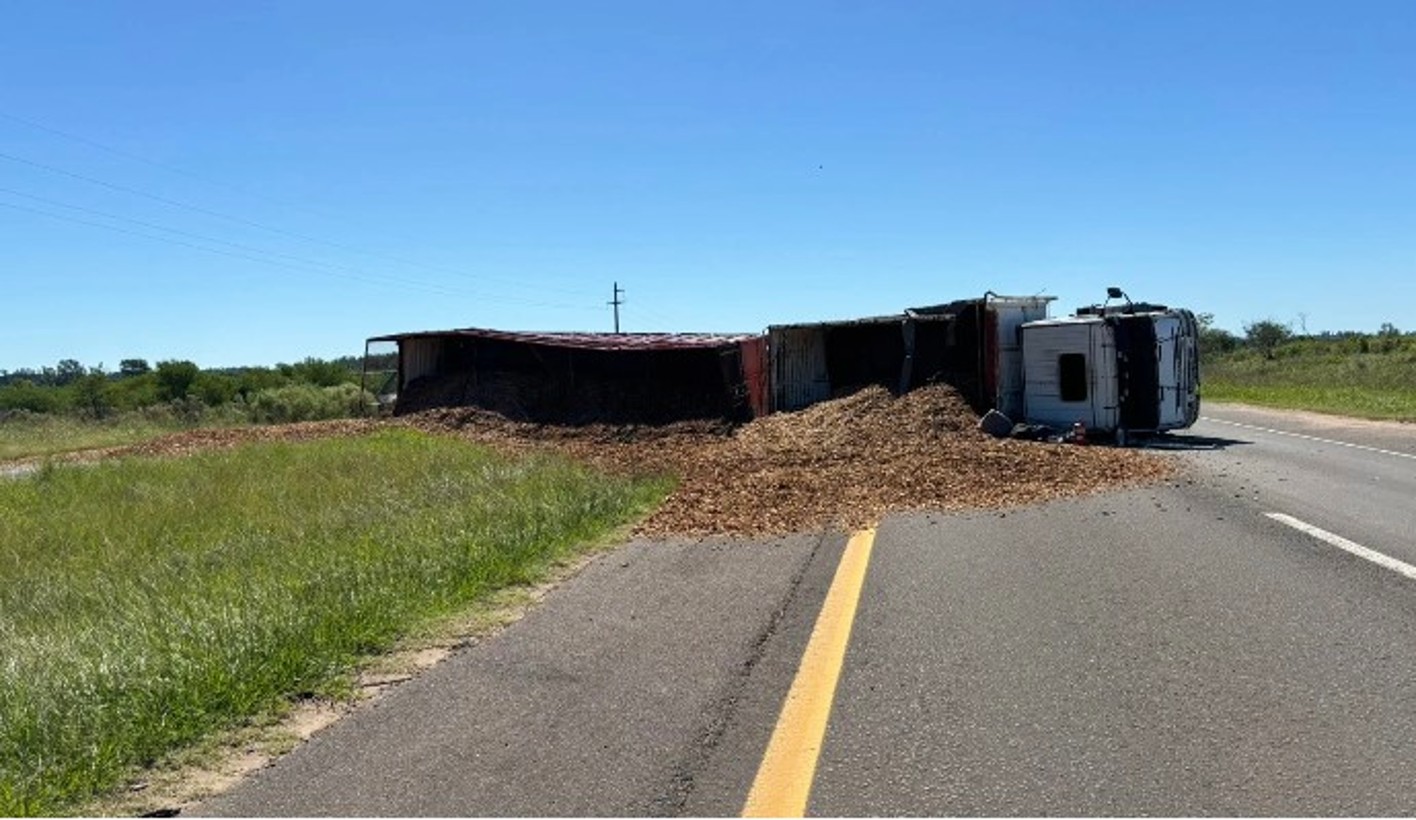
[788, 768]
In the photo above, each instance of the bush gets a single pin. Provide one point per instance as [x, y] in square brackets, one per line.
[187, 411]
[90, 396]
[318, 372]
[305, 402]
[175, 378]
[133, 392]
[26, 395]
[214, 389]
[1265, 336]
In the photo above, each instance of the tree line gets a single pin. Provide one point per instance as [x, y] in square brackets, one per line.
[1265, 337]
[312, 388]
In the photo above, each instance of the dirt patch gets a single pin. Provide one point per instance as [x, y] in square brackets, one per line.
[193, 441]
[845, 462]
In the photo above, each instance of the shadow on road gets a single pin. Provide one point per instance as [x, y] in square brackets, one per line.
[1188, 441]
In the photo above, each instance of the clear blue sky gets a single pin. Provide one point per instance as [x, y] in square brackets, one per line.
[384, 167]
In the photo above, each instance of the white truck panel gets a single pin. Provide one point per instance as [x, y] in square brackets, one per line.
[1168, 358]
[1010, 314]
[1051, 368]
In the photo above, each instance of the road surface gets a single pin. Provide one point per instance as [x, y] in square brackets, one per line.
[1211, 646]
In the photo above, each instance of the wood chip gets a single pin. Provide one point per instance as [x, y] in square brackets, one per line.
[843, 463]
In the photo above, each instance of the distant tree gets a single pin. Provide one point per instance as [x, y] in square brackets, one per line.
[1213, 340]
[1266, 335]
[214, 389]
[91, 395]
[25, 373]
[252, 380]
[133, 392]
[175, 378]
[68, 371]
[133, 367]
[24, 394]
[319, 372]
[1388, 337]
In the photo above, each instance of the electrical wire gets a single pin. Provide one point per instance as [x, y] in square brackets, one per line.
[331, 269]
[261, 226]
[118, 152]
[303, 267]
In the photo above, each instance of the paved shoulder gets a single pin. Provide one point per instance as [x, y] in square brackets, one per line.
[1392, 436]
[600, 702]
[1351, 477]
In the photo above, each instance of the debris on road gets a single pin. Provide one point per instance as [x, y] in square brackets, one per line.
[996, 424]
[845, 462]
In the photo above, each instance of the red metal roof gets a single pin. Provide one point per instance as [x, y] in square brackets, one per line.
[586, 341]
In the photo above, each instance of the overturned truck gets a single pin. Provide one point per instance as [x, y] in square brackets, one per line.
[1115, 369]
[578, 378]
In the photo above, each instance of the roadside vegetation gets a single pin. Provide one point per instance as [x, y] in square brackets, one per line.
[72, 407]
[1368, 375]
[151, 602]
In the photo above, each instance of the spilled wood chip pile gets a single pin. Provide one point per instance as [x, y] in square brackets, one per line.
[845, 462]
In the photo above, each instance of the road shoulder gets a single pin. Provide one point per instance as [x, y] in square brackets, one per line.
[633, 668]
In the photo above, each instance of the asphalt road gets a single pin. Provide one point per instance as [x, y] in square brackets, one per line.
[1174, 650]
[1353, 478]
[605, 700]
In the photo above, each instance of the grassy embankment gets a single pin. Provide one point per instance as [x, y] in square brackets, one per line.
[1365, 377]
[26, 434]
[42, 435]
[148, 603]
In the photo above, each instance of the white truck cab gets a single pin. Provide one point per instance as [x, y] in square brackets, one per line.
[1118, 370]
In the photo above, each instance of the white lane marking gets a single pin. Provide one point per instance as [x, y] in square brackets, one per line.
[1349, 546]
[1310, 438]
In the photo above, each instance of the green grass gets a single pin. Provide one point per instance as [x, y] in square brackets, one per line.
[47, 435]
[1334, 377]
[146, 604]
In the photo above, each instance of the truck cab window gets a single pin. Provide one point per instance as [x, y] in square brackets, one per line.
[1072, 374]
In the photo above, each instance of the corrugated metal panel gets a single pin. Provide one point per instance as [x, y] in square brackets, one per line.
[1044, 343]
[1007, 316]
[799, 376]
[417, 357]
[586, 341]
[754, 375]
[892, 319]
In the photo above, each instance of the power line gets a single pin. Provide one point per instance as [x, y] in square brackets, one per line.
[332, 270]
[304, 267]
[128, 155]
[118, 152]
[655, 316]
[258, 225]
[168, 240]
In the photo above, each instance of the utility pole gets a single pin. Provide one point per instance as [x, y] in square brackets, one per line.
[617, 301]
